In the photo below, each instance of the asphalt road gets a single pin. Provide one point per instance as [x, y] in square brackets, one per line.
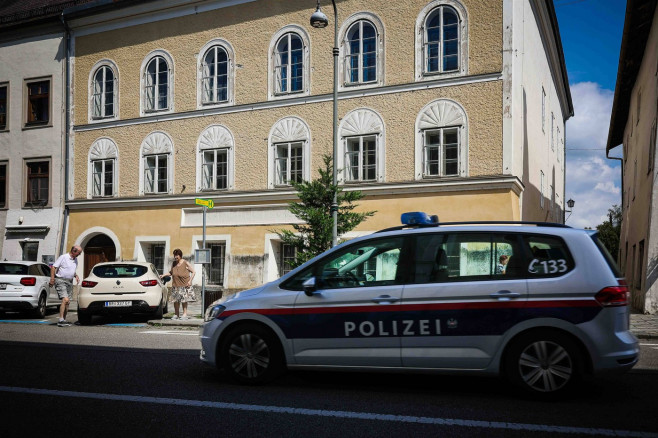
[144, 381]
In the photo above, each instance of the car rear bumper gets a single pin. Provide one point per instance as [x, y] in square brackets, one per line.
[22, 304]
[99, 308]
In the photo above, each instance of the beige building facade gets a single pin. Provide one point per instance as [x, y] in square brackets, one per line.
[230, 100]
[633, 125]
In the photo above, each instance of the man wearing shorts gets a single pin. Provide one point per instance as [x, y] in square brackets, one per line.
[62, 273]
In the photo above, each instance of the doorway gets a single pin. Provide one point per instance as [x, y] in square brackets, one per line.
[100, 248]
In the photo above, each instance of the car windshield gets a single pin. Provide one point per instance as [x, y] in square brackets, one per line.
[119, 271]
[13, 269]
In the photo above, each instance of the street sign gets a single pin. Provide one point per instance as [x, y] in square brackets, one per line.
[202, 256]
[205, 202]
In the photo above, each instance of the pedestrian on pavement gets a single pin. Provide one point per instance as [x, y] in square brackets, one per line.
[182, 273]
[62, 274]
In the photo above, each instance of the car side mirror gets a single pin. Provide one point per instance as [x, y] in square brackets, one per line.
[309, 286]
[166, 279]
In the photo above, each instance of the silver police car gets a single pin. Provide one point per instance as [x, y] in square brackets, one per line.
[541, 304]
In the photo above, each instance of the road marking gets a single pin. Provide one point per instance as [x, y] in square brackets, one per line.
[126, 325]
[171, 332]
[14, 321]
[335, 414]
[654, 345]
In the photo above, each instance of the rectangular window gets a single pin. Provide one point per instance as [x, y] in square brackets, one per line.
[552, 197]
[30, 251]
[3, 185]
[288, 253]
[215, 270]
[630, 273]
[543, 110]
[38, 103]
[155, 174]
[156, 255]
[559, 146]
[552, 132]
[361, 159]
[103, 177]
[639, 264]
[38, 183]
[467, 257]
[289, 163]
[4, 93]
[441, 152]
[541, 190]
[652, 146]
[215, 169]
[639, 105]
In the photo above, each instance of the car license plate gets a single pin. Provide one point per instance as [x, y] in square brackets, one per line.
[118, 303]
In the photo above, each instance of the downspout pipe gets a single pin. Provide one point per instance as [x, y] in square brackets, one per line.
[67, 135]
[621, 165]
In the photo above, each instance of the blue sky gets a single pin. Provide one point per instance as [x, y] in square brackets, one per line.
[591, 33]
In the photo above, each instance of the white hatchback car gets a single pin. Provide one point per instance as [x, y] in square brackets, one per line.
[120, 288]
[24, 286]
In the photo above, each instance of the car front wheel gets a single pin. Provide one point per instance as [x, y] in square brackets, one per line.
[544, 363]
[251, 354]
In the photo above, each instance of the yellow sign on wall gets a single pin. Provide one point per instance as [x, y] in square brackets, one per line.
[205, 202]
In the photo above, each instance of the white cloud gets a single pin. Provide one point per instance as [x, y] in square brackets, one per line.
[593, 181]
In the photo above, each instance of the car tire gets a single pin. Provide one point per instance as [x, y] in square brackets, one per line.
[40, 310]
[166, 307]
[84, 318]
[159, 311]
[545, 364]
[251, 354]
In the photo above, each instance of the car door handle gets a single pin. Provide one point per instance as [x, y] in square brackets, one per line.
[385, 299]
[505, 295]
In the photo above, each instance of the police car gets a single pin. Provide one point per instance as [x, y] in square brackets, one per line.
[541, 304]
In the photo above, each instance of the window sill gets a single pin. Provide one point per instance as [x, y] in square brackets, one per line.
[29, 126]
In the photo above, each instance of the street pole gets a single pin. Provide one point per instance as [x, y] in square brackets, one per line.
[334, 204]
[203, 270]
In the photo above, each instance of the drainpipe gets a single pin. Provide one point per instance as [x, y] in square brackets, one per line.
[67, 141]
[621, 163]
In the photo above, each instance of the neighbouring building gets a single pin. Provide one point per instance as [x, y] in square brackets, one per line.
[32, 128]
[633, 124]
[454, 107]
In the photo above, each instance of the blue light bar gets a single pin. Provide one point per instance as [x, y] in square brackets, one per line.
[418, 218]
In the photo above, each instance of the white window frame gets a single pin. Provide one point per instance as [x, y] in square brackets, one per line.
[421, 73]
[362, 122]
[273, 94]
[92, 118]
[103, 149]
[441, 114]
[225, 239]
[442, 160]
[230, 83]
[215, 138]
[144, 243]
[361, 158]
[144, 110]
[157, 143]
[285, 131]
[343, 84]
[288, 146]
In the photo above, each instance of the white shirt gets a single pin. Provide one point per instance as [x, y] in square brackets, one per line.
[67, 266]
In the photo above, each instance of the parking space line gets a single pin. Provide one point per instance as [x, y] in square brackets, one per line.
[171, 332]
[16, 321]
[336, 414]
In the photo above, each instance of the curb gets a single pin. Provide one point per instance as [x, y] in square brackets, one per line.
[176, 323]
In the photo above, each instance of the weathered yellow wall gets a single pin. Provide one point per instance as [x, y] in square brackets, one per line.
[249, 29]
[251, 131]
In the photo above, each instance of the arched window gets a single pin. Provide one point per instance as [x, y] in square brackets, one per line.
[362, 147]
[361, 53]
[214, 81]
[441, 140]
[156, 165]
[157, 82]
[215, 159]
[103, 93]
[289, 64]
[441, 39]
[103, 171]
[289, 153]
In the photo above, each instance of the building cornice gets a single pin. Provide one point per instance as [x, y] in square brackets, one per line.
[490, 183]
[304, 100]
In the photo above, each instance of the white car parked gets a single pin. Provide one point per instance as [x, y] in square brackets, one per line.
[24, 286]
[120, 288]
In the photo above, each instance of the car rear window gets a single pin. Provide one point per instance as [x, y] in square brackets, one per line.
[119, 271]
[13, 269]
[606, 255]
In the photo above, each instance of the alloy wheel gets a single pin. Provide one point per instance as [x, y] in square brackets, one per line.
[545, 366]
[249, 355]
